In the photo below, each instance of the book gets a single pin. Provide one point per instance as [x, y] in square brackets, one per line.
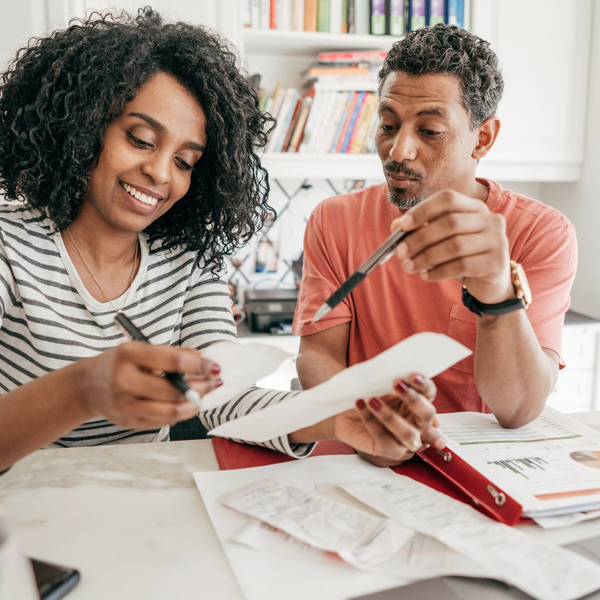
[339, 142]
[345, 9]
[289, 127]
[335, 16]
[310, 15]
[360, 104]
[333, 69]
[255, 14]
[324, 15]
[335, 121]
[351, 16]
[283, 120]
[436, 12]
[395, 17]
[273, 14]
[377, 23]
[246, 12]
[298, 132]
[310, 128]
[353, 56]
[297, 15]
[455, 10]
[264, 14]
[364, 122]
[416, 14]
[362, 17]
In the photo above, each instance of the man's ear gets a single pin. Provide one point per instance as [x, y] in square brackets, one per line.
[486, 136]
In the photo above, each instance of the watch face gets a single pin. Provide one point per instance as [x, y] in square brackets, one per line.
[520, 283]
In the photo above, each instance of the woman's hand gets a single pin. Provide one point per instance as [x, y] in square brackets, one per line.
[387, 431]
[124, 384]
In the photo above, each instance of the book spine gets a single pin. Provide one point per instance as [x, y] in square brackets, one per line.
[264, 11]
[298, 133]
[344, 16]
[455, 12]
[396, 23]
[335, 16]
[369, 146]
[311, 121]
[246, 12]
[291, 125]
[351, 16]
[273, 14]
[353, 56]
[363, 125]
[362, 17]
[310, 15]
[348, 118]
[336, 118]
[322, 124]
[298, 15]
[416, 14]
[254, 14]
[360, 105]
[436, 11]
[323, 15]
[377, 17]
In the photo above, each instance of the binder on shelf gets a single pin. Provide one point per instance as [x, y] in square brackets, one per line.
[416, 14]
[455, 13]
[436, 12]
[396, 17]
[377, 18]
[362, 17]
[452, 476]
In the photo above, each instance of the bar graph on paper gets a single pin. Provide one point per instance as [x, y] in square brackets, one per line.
[522, 466]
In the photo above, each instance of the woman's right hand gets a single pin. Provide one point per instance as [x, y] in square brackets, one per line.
[125, 386]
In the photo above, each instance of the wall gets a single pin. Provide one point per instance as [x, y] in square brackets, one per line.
[580, 201]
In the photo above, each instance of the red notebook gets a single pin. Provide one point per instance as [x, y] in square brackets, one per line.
[441, 470]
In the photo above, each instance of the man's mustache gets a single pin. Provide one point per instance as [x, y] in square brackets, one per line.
[400, 169]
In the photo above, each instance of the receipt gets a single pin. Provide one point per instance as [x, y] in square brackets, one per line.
[426, 353]
[358, 538]
[541, 570]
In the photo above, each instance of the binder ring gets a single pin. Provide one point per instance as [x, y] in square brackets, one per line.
[499, 497]
[447, 456]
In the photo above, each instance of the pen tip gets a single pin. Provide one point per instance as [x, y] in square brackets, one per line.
[323, 310]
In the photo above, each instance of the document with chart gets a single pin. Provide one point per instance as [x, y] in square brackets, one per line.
[550, 467]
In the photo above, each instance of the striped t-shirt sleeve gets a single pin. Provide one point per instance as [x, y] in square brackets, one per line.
[207, 319]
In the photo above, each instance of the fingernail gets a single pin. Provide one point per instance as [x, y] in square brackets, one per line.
[419, 380]
[406, 221]
[424, 274]
[218, 383]
[408, 265]
[360, 404]
[402, 250]
[440, 444]
[414, 444]
[216, 369]
[401, 387]
[374, 404]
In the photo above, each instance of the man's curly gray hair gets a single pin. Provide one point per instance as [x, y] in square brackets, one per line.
[450, 50]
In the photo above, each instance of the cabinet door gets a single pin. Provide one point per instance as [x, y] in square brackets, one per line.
[543, 46]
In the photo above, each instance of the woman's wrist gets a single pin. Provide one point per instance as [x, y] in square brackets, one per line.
[79, 375]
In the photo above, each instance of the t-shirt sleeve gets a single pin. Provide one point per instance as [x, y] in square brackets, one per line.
[550, 263]
[323, 272]
[7, 282]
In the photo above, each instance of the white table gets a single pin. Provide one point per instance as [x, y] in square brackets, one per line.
[130, 518]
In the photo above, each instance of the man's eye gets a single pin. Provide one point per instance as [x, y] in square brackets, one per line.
[183, 165]
[136, 141]
[431, 132]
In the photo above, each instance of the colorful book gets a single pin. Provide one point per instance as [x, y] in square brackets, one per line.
[291, 125]
[324, 16]
[348, 118]
[360, 104]
[363, 125]
[335, 121]
[416, 14]
[396, 17]
[332, 69]
[310, 128]
[455, 12]
[310, 15]
[377, 17]
[298, 132]
[436, 12]
[273, 14]
[353, 56]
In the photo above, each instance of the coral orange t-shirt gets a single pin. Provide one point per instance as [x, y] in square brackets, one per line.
[391, 305]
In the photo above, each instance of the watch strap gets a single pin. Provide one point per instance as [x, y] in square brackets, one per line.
[501, 308]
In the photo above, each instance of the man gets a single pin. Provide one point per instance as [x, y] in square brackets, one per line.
[439, 90]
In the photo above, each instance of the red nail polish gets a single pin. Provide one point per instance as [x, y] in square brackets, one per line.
[216, 369]
[374, 404]
[419, 380]
[218, 383]
[360, 404]
[401, 387]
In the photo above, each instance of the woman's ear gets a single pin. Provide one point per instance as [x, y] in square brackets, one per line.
[487, 133]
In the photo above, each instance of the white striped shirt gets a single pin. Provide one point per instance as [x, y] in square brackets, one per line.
[49, 320]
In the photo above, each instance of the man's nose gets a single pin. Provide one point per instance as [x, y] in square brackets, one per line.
[404, 147]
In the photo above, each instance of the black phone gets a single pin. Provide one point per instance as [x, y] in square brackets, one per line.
[53, 581]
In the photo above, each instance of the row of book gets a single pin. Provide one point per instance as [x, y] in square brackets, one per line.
[376, 17]
[335, 117]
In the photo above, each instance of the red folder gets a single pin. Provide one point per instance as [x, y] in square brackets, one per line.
[441, 470]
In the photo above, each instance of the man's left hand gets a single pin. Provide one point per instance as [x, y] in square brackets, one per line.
[457, 237]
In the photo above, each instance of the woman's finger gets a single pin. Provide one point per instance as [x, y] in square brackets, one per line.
[433, 437]
[417, 408]
[423, 385]
[398, 427]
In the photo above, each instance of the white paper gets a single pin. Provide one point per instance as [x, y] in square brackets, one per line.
[276, 576]
[426, 353]
[550, 467]
[543, 571]
[241, 367]
[360, 539]
[566, 520]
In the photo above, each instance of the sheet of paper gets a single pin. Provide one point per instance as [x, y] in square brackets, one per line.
[550, 467]
[360, 539]
[422, 557]
[241, 367]
[567, 520]
[278, 576]
[426, 353]
[541, 570]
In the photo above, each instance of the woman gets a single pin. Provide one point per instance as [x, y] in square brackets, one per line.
[131, 146]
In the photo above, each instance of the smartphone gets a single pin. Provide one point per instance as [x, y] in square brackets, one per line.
[53, 581]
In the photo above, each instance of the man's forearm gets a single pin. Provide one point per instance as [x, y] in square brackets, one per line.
[513, 375]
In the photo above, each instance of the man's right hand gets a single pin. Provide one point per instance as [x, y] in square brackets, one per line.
[387, 431]
[125, 386]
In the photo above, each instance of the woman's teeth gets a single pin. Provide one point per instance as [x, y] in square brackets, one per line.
[139, 196]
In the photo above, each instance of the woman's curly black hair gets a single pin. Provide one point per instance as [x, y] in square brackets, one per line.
[61, 92]
[448, 49]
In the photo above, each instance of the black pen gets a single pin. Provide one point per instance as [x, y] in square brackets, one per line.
[378, 257]
[176, 379]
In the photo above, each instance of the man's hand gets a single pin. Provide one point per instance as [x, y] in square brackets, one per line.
[457, 237]
[387, 431]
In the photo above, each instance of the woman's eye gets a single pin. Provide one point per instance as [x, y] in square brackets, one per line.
[183, 165]
[387, 127]
[136, 141]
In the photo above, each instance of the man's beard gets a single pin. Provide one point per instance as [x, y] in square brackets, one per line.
[400, 197]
